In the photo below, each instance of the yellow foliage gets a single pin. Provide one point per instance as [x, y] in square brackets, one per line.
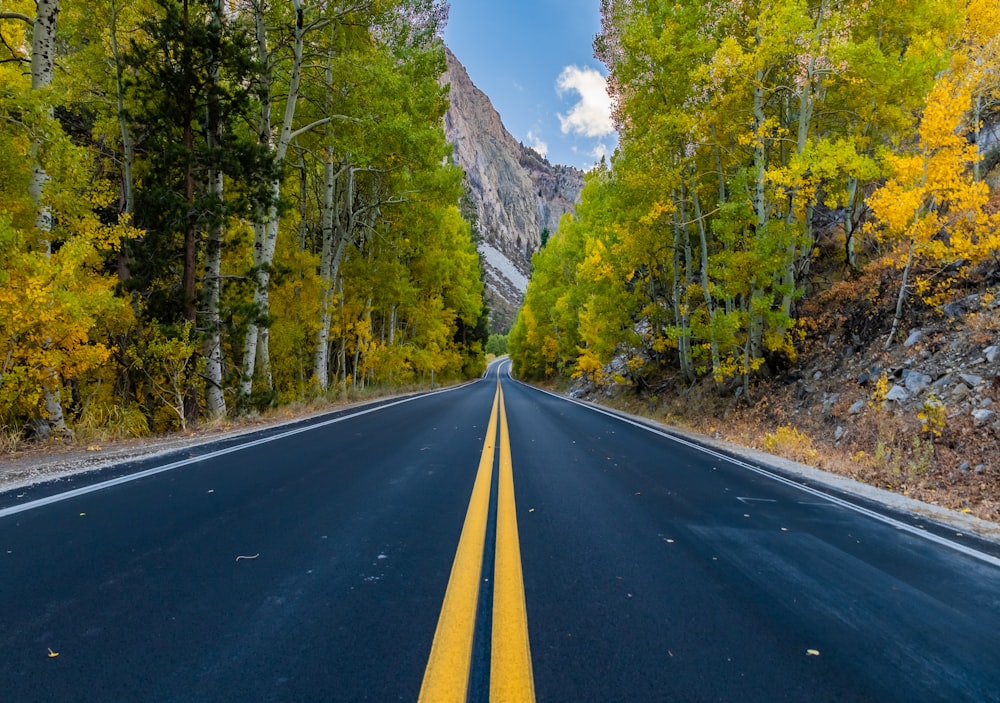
[932, 201]
[588, 365]
[880, 391]
[595, 266]
[933, 416]
[790, 443]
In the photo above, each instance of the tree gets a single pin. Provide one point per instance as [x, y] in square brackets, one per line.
[934, 203]
[54, 295]
[193, 82]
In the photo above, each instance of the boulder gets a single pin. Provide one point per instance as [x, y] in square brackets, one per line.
[868, 375]
[940, 384]
[982, 415]
[959, 308]
[960, 392]
[914, 337]
[829, 401]
[917, 382]
[898, 394]
[971, 379]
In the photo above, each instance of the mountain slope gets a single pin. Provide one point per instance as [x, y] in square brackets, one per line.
[514, 193]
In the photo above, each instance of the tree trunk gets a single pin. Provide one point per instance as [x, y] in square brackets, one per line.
[755, 317]
[977, 133]
[215, 399]
[43, 42]
[128, 144]
[901, 299]
[343, 342]
[705, 288]
[331, 249]
[850, 243]
[321, 359]
[256, 344]
[681, 318]
[336, 235]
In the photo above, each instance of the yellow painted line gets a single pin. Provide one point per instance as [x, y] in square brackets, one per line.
[511, 680]
[446, 678]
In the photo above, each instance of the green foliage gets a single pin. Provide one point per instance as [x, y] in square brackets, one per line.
[497, 345]
[112, 298]
[737, 123]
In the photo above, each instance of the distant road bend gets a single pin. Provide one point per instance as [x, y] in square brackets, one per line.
[490, 542]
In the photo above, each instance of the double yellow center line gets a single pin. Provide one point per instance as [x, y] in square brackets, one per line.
[446, 678]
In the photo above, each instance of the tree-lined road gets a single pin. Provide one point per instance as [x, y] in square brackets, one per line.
[313, 567]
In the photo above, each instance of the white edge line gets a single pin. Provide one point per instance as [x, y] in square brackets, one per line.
[899, 525]
[83, 490]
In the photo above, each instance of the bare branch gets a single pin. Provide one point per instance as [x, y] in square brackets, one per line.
[319, 123]
[17, 16]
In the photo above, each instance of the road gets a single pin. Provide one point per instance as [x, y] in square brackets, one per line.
[603, 561]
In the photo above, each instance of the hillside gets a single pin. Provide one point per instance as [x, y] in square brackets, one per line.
[921, 418]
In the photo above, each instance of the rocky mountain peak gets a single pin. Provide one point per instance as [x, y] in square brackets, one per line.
[515, 194]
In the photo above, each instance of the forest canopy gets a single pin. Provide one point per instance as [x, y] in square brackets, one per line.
[208, 207]
[767, 149]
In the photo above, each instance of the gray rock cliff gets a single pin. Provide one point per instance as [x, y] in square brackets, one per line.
[514, 193]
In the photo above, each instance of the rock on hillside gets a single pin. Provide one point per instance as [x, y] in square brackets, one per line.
[515, 192]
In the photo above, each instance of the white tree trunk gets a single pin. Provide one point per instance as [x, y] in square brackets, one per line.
[256, 343]
[901, 298]
[215, 398]
[43, 42]
[321, 360]
[705, 286]
[756, 318]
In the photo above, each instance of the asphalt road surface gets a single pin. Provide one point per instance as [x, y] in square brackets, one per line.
[490, 542]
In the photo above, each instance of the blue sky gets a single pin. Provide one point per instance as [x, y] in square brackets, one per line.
[535, 60]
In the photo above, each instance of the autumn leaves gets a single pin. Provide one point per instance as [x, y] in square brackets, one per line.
[245, 208]
[742, 125]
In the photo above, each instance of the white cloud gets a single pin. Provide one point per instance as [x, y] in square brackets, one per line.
[537, 144]
[600, 151]
[591, 116]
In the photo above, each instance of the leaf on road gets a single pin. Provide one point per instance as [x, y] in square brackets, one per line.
[252, 556]
[52, 655]
[812, 652]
